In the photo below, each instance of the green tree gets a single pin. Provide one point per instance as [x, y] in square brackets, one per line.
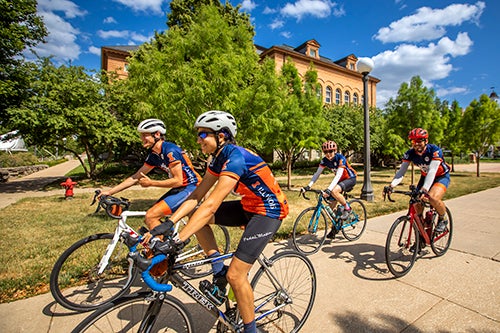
[481, 126]
[453, 138]
[183, 73]
[69, 104]
[20, 28]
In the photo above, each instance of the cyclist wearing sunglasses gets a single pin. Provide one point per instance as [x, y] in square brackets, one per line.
[261, 209]
[435, 173]
[344, 180]
[171, 159]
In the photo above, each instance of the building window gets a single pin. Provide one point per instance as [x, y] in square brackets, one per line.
[351, 66]
[355, 98]
[328, 97]
[337, 96]
[125, 69]
[312, 53]
[347, 97]
[319, 92]
[363, 99]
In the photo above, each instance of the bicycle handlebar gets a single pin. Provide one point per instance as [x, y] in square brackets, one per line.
[413, 193]
[303, 193]
[112, 205]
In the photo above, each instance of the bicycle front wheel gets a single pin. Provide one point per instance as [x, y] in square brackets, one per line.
[441, 241]
[401, 247]
[136, 313]
[284, 292]
[193, 251]
[75, 282]
[354, 226]
[309, 231]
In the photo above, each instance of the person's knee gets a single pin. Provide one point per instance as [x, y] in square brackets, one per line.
[235, 277]
[152, 219]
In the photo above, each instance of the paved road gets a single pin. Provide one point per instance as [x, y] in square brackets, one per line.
[459, 292]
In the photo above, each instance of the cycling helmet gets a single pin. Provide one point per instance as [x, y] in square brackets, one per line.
[151, 126]
[329, 145]
[418, 134]
[216, 121]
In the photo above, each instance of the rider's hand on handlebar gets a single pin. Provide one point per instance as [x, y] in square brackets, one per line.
[424, 194]
[305, 189]
[169, 246]
[327, 193]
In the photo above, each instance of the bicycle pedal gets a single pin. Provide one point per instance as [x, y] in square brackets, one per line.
[212, 292]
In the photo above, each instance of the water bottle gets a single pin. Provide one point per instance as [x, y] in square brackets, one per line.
[329, 210]
[230, 295]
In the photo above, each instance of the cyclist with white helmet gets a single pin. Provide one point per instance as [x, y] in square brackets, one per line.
[435, 173]
[169, 157]
[344, 180]
[261, 209]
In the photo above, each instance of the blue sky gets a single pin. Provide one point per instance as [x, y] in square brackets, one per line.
[452, 45]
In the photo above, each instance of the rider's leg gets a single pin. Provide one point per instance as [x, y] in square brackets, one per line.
[436, 194]
[155, 213]
[337, 194]
[237, 276]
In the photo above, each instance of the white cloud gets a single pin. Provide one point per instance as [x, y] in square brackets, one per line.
[443, 92]
[151, 6]
[431, 63]
[286, 34]
[109, 20]
[315, 8]
[248, 5]
[139, 37]
[268, 10]
[276, 24]
[70, 9]
[95, 50]
[123, 34]
[429, 24]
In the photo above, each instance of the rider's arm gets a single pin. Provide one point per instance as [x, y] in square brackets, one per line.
[315, 176]
[336, 179]
[132, 180]
[176, 179]
[207, 209]
[431, 174]
[398, 177]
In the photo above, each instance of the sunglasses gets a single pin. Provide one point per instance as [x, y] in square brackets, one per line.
[417, 141]
[203, 135]
[328, 151]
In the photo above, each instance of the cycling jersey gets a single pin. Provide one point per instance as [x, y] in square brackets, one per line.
[431, 152]
[260, 192]
[170, 155]
[338, 161]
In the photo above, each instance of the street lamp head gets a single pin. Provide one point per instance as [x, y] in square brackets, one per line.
[364, 65]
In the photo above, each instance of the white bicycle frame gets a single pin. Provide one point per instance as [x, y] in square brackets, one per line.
[124, 227]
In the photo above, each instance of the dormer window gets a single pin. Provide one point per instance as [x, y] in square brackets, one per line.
[313, 53]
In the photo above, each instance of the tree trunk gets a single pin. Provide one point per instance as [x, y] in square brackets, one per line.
[289, 171]
[477, 164]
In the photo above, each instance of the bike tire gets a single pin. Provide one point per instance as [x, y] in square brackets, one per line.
[193, 251]
[398, 247]
[354, 226]
[440, 242]
[135, 313]
[295, 274]
[74, 282]
[309, 231]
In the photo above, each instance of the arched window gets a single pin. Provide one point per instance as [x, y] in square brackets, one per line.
[319, 92]
[347, 97]
[355, 98]
[337, 96]
[328, 97]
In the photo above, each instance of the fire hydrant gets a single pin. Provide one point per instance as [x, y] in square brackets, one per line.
[68, 185]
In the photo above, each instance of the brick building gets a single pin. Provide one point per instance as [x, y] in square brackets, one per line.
[339, 80]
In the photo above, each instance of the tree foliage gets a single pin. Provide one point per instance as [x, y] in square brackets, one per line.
[20, 28]
[68, 104]
[480, 126]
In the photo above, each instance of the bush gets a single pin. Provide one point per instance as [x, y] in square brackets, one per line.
[17, 159]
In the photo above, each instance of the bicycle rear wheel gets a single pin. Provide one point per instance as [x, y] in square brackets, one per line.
[135, 313]
[193, 251]
[441, 241]
[287, 289]
[309, 231]
[74, 281]
[402, 246]
[354, 226]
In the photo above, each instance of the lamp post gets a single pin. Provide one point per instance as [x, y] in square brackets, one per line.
[365, 66]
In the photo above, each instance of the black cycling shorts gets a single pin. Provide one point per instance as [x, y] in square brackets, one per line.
[258, 232]
[348, 184]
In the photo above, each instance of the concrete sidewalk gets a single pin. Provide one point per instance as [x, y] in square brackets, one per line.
[459, 292]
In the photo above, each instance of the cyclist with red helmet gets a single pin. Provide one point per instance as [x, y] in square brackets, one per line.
[168, 157]
[344, 180]
[435, 173]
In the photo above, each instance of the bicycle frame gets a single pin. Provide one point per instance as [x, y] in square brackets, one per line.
[195, 294]
[417, 220]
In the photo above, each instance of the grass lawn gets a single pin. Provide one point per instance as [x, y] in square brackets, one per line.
[37, 230]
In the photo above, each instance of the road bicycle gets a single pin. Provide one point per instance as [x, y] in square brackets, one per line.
[311, 226]
[410, 233]
[284, 289]
[95, 270]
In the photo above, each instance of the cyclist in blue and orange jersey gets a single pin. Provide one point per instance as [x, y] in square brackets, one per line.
[344, 180]
[261, 209]
[435, 173]
[170, 158]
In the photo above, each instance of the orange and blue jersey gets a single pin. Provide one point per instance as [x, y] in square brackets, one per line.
[260, 191]
[339, 161]
[431, 152]
[170, 155]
